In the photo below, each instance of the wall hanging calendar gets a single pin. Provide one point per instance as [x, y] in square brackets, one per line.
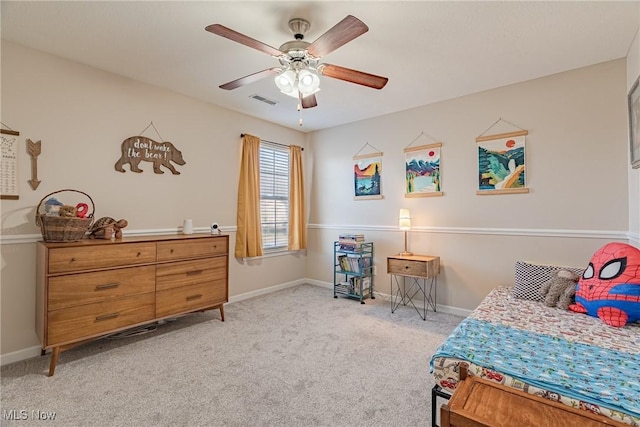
[136, 149]
[9, 173]
[422, 169]
[367, 173]
[501, 162]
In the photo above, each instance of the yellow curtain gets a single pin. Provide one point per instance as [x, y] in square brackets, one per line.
[249, 232]
[297, 211]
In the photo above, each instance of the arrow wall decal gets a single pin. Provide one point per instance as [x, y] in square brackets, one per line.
[34, 149]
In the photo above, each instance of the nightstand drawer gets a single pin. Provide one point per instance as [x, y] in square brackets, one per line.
[84, 288]
[408, 268]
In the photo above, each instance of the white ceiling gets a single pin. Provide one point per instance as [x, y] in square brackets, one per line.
[430, 51]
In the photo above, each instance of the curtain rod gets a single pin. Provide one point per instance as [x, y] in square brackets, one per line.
[271, 142]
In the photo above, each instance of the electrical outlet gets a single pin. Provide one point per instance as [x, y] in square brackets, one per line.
[375, 270]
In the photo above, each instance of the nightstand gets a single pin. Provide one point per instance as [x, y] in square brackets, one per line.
[411, 275]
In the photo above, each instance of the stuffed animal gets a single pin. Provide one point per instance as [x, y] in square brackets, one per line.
[107, 228]
[560, 289]
[610, 286]
[52, 206]
[67, 211]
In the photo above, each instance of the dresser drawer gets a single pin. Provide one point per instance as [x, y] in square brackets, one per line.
[95, 319]
[191, 248]
[84, 288]
[184, 273]
[64, 260]
[421, 267]
[190, 298]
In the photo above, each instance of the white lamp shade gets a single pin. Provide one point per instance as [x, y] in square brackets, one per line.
[286, 82]
[404, 220]
[308, 82]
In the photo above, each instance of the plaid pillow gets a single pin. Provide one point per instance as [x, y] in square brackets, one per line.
[529, 279]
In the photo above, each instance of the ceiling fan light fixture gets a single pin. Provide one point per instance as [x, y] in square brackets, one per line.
[308, 82]
[286, 82]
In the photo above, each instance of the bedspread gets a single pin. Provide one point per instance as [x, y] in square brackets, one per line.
[558, 352]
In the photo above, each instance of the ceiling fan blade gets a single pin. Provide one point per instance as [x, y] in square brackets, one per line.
[235, 36]
[308, 101]
[250, 78]
[340, 34]
[352, 76]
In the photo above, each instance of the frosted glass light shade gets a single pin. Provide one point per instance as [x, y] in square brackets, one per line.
[404, 220]
[286, 82]
[308, 82]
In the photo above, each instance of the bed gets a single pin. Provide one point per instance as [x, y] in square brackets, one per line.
[573, 358]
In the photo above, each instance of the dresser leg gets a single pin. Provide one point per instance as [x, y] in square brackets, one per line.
[54, 359]
[222, 312]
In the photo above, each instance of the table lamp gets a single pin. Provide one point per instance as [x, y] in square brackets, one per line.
[405, 225]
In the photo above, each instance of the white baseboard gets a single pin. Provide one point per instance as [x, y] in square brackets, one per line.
[19, 355]
[441, 308]
[265, 291]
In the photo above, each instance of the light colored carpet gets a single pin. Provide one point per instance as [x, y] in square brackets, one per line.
[296, 357]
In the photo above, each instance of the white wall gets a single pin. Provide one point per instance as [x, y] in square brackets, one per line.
[82, 115]
[577, 163]
[633, 72]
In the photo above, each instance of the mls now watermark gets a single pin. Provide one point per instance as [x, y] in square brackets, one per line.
[23, 414]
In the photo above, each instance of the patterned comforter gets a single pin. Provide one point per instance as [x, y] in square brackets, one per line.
[573, 358]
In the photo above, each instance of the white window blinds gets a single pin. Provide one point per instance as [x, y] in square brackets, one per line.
[274, 195]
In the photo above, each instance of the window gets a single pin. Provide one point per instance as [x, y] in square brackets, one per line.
[274, 196]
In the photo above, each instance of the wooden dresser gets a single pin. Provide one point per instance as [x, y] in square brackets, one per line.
[92, 288]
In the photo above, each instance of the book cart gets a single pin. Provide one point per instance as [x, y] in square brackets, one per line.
[353, 269]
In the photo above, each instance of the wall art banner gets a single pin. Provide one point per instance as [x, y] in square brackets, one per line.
[9, 172]
[367, 175]
[422, 171]
[501, 163]
[136, 149]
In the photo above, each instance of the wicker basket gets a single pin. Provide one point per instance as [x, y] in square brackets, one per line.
[60, 228]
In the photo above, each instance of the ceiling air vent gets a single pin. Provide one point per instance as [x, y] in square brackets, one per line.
[263, 99]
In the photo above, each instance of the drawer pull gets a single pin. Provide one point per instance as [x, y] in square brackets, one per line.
[406, 267]
[194, 272]
[107, 316]
[194, 297]
[139, 253]
[107, 286]
[171, 251]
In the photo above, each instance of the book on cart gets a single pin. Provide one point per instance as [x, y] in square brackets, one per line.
[350, 242]
[354, 263]
[351, 237]
[364, 281]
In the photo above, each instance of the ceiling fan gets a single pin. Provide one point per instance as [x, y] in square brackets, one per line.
[299, 68]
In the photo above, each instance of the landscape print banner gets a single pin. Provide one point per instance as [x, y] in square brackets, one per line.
[422, 171]
[501, 164]
[367, 173]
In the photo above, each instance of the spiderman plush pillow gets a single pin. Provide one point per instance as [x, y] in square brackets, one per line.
[610, 285]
